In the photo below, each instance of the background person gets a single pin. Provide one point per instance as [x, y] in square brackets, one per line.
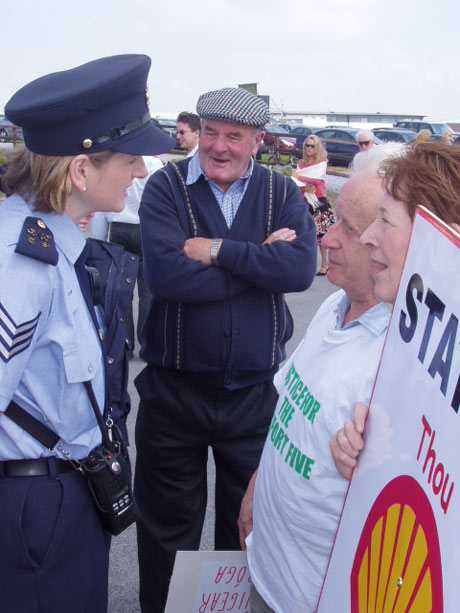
[424, 136]
[54, 550]
[314, 163]
[188, 132]
[429, 175]
[366, 142]
[223, 239]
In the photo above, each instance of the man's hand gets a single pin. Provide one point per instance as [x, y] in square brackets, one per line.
[348, 443]
[245, 517]
[198, 249]
[283, 234]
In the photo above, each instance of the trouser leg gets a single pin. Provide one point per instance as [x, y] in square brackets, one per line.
[170, 479]
[54, 553]
[243, 421]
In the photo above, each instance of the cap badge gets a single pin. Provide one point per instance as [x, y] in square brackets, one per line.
[87, 143]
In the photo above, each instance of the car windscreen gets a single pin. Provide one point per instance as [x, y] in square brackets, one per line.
[441, 128]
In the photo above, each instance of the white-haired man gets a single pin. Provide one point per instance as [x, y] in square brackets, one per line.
[366, 141]
[291, 510]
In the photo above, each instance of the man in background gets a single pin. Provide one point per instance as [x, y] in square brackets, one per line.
[188, 132]
[366, 141]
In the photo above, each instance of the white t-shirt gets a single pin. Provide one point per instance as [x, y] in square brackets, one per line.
[299, 494]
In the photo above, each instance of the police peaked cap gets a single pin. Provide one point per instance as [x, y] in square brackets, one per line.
[95, 107]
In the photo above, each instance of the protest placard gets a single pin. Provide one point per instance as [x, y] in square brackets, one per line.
[398, 544]
[209, 581]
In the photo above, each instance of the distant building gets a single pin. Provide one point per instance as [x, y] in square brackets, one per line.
[352, 120]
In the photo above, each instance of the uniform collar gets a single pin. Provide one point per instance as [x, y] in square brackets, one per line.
[195, 171]
[67, 235]
[374, 319]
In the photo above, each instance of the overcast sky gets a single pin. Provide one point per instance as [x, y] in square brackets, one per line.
[399, 56]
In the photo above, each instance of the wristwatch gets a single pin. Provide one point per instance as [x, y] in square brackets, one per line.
[216, 244]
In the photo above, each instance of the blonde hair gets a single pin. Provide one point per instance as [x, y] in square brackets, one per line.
[43, 180]
[423, 136]
[320, 151]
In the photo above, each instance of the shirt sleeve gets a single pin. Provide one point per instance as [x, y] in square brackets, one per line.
[281, 266]
[25, 302]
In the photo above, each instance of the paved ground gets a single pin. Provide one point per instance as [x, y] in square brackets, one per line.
[123, 571]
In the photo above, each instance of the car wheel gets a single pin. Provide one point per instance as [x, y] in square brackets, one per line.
[3, 135]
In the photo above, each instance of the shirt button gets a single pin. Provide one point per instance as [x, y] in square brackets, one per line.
[110, 360]
[90, 368]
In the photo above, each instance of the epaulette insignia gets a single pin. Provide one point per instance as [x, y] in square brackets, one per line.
[37, 241]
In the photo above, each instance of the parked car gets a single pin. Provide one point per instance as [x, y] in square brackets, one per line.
[395, 135]
[340, 143]
[435, 127]
[9, 133]
[276, 142]
[168, 126]
[285, 126]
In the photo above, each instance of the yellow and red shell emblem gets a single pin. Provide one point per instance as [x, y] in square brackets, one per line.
[397, 565]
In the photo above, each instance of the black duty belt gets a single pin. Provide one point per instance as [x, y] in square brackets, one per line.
[34, 468]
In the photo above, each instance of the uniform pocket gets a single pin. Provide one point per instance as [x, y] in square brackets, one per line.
[81, 365]
[41, 510]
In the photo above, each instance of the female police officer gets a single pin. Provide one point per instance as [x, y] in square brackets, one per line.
[84, 131]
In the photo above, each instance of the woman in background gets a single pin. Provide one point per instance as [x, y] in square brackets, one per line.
[310, 175]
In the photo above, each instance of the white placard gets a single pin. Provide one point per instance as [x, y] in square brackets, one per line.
[398, 544]
[209, 581]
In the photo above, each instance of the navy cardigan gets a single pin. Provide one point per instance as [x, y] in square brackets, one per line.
[228, 322]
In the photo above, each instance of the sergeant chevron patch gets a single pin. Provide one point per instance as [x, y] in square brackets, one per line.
[14, 338]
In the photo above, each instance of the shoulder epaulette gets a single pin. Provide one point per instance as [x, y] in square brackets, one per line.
[37, 241]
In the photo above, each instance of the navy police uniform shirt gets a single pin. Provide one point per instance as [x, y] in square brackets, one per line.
[48, 342]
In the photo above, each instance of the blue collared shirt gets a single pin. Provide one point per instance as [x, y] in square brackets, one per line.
[228, 201]
[374, 319]
[45, 376]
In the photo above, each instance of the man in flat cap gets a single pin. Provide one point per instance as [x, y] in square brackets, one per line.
[224, 238]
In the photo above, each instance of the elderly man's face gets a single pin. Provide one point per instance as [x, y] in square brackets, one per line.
[365, 141]
[349, 260]
[225, 150]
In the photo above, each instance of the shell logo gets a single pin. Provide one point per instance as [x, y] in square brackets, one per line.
[397, 565]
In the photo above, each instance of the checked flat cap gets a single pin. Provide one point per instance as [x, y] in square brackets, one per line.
[235, 105]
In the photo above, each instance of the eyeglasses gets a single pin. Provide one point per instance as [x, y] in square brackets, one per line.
[310, 146]
[364, 143]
